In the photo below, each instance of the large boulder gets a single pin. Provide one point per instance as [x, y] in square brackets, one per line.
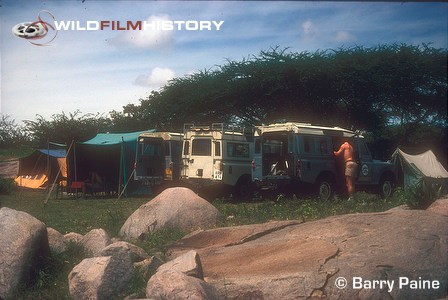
[175, 285]
[95, 241]
[73, 237]
[314, 259]
[177, 207]
[102, 277]
[188, 263]
[57, 241]
[439, 206]
[23, 249]
[136, 253]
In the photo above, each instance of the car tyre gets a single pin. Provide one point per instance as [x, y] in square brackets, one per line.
[325, 187]
[386, 187]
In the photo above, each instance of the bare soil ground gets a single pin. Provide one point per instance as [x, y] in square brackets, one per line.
[9, 169]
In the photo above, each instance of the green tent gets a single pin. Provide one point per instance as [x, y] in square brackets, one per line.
[110, 155]
[422, 174]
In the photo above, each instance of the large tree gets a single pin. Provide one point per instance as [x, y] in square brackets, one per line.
[358, 87]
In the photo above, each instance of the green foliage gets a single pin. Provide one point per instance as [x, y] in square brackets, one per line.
[7, 185]
[64, 128]
[51, 281]
[157, 242]
[425, 192]
[12, 135]
[362, 87]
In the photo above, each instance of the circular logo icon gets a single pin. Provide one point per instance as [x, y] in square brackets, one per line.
[340, 283]
[365, 170]
[37, 30]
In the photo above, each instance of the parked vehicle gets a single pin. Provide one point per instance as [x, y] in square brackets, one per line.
[292, 154]
[218, 155]
[158, 157]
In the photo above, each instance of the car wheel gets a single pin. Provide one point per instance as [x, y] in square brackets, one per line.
[243, 190]
[386, 187]
[325, 188]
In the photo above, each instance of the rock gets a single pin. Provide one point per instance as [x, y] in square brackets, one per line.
[23, 249]
[177, 207]
[439, 206]
[56, 240]
[73, 237]
[171, 284]
[102, 277]
[188, 263]
[298, 261]
[136, 253]
[94, 241]
[148, 267]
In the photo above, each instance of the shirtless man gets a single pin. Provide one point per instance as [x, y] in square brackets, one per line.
[351, 167]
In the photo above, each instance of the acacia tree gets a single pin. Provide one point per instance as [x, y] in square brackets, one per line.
[63, 128]
[366, 88]
[12, 134]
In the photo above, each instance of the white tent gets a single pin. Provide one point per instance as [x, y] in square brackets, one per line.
[422, 173]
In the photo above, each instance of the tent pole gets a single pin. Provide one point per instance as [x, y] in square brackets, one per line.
[123, 155]
[121, 167]
[126, 185]
[75, 167]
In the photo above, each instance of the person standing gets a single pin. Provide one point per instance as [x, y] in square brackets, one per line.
[351, 166]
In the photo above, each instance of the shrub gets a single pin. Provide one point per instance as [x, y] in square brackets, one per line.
[7, 185]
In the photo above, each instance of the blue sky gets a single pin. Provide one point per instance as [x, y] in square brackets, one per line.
[102, 70]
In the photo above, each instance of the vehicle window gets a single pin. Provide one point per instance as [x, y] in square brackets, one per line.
[363, 151]
[308, 146]
[177, 148]
[237, 150]
[151, 149]
[217, 148]
[201, 147]
[272, 146]
[323, 146]
[186, 147]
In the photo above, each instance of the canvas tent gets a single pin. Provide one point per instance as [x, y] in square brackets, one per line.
[421, 170]
[41, 167]
[110, 155]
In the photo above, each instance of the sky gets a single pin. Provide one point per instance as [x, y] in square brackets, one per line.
[97, 71]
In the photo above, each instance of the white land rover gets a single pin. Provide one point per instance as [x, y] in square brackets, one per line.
[218, 154]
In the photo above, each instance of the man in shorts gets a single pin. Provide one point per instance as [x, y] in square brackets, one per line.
[351, 167]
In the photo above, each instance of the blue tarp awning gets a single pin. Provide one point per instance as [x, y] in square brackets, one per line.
[57, 153]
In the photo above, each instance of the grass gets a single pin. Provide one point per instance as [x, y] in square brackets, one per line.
[77, 215]
[82, 215]
[306, 209]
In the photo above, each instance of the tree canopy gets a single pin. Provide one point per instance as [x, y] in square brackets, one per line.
[366, 88]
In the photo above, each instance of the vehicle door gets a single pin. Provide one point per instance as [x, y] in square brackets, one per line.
[201, 161]
[366, 171]
[150, 158]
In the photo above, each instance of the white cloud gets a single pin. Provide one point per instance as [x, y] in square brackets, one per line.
[149, 37]
[308, 28]
[343, 36]
[157, 78]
